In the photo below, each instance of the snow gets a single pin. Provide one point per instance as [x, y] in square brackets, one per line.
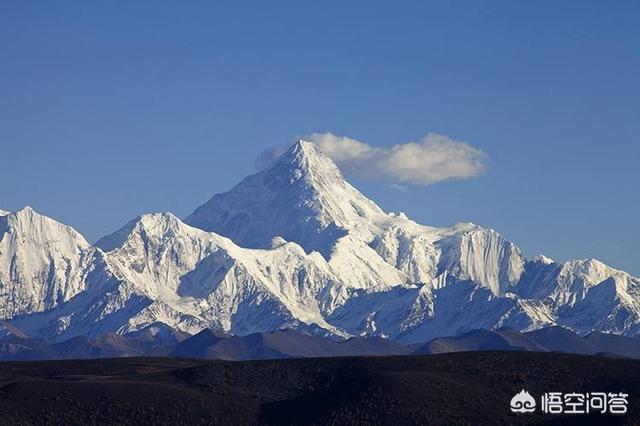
[296, 246]
[42, 263]
[302, 198]
[541, 258]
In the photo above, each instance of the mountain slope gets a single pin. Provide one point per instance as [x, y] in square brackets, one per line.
[205, 276]
[584, 295]
[562, 340]
[43, 263]
[614, 344]
[302, 198]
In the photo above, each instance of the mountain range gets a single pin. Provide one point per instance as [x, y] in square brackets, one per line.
[284, 344]
[295, 246]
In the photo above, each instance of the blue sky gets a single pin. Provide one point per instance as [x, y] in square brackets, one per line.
[113, 109]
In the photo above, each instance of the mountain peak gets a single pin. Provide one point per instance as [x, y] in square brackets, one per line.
[302, 198]
[311, 151]
[541, 258]
[40, 227]
[306, 146]
[155, 223]
[25, 211]
[42, 262]
[306, 159]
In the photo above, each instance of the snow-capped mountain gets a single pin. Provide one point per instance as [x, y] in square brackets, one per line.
[302, 198]
[296, 246]
[224, 286]
[42, 263]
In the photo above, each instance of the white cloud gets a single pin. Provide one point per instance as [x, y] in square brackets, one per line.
[398, 187]
[269, 155]
[430, 159]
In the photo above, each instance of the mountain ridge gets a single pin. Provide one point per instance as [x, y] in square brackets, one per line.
[296, 246]
[287, 343]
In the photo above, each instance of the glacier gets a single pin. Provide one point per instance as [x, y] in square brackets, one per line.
[296, 246]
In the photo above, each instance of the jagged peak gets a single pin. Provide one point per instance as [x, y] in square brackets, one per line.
[593, 267]
[158, 223]
[306, 148]
[466, 226]
[277, 242]
[160, 227]
[541, 258]
[27, 220]
[163, 218]
[306, 160]
[585, 264]
[302, 197]
[148, 223]
[26, 211]
[590, 270]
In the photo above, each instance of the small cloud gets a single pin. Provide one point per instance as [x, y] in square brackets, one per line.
[398, 187]
[269, 156]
